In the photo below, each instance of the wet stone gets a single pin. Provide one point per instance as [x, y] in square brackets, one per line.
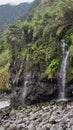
[72, 127]
[1, 128]
[31, 127]
[53, 127]
[48, 126]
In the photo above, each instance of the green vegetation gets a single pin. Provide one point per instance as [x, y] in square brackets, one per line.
[39, 36]
[52, 68]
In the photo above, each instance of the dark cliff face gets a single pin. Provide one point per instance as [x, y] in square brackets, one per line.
[29, 87]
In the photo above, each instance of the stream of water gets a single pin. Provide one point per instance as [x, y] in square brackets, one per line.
[27, 78]
[63, 71]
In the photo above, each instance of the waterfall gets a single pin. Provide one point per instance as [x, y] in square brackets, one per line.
[28, 73]
[63, 71]
[27, 78]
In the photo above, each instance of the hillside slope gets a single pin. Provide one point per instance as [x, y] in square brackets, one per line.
[10, 13]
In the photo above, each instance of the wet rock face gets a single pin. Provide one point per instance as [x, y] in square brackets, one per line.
[34, 91]
[16, 77]
[31, 88]
[69, 89]
[37, 91]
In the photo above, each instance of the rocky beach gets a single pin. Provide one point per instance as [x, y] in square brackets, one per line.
[44, 116]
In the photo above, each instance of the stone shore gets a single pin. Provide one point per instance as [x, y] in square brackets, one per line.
[44, 116]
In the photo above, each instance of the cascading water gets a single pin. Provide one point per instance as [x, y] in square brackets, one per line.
[63, 72]
[27, 78]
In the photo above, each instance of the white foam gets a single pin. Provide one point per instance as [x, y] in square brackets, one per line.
[4, 104]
